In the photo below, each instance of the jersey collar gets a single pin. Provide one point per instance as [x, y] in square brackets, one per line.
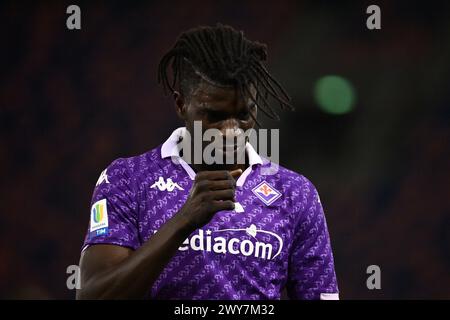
[170, 149]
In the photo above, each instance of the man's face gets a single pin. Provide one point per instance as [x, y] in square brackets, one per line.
[219, 108]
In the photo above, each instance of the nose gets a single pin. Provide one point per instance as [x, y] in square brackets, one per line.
[231, 132]
[230, 128]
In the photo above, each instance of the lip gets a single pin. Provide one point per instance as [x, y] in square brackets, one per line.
[228, 150]
[233, 147]
[236, 154]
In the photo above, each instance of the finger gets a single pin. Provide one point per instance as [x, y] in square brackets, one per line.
[212, 185]
[202, 185]
[222, 195]
[212, 175]
[236, 173]
[223, 205]
[222, 184]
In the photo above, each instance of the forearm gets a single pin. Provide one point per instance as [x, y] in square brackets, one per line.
[130, 275]
[134, 276]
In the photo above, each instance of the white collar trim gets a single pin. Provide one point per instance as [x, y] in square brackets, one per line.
[170, 149]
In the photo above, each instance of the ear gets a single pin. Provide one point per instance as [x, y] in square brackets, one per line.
[180, 106]
[254, 111]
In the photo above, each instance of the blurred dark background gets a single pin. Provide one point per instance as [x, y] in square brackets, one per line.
[73, 101]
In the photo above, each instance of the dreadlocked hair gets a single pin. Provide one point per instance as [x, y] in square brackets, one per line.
[222, 56]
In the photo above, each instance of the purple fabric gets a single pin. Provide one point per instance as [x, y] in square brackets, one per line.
[248, 255]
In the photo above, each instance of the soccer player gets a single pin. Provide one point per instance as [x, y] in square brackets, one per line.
[164, 226]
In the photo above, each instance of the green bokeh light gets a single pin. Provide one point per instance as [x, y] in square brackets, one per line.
[334, 94]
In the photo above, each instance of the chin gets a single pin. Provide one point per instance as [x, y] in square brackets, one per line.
[235, 154]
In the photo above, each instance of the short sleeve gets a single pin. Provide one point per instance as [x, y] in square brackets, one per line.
[113, 214]
[311, 274]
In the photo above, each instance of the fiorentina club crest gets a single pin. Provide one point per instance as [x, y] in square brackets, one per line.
[266, 193]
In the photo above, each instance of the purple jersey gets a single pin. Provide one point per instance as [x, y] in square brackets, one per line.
[275, 237]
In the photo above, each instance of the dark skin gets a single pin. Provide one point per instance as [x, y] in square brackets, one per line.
[217, 108]
[115, 272]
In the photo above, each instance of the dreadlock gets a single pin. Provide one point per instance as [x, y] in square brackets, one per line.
[222, 56]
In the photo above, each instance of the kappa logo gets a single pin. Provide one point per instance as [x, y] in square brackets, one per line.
[266, 193]
[166, 186]
[103, 178]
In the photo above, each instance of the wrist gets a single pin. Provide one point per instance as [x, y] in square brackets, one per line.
[183, 225]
